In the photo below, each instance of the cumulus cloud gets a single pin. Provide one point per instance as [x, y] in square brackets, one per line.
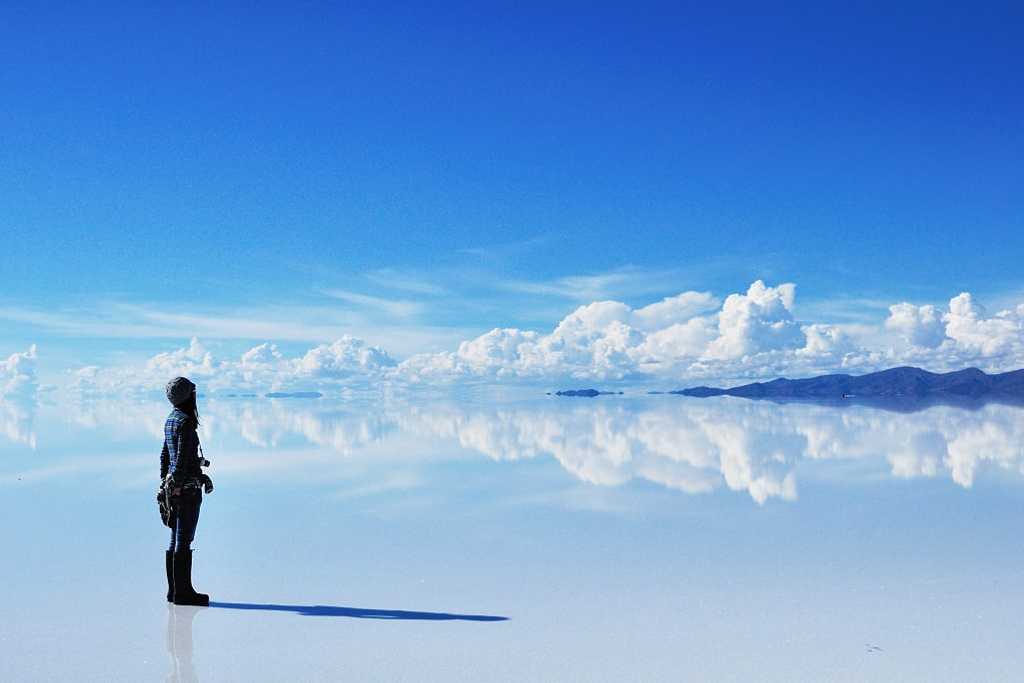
[346, 357]
[192, 361]
[693, 336]
[18, 376]
[673, 310]
[919, 325]
[680, 337]
[964, 333]
[968, 324]
[343, 363]
[760, 320]
[825, 340]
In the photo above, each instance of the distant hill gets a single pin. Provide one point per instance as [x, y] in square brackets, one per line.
[588, 393]
[294, 394]
[902, 382]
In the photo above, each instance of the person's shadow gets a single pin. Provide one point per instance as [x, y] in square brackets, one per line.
[356, 612]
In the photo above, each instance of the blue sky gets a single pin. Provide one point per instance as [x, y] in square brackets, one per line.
[419, 175]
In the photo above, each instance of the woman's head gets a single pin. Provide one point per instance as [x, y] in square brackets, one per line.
[181, 392]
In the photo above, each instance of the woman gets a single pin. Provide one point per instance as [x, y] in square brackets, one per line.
[183, 480]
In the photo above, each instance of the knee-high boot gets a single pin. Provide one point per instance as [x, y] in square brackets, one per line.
[169, 566]
[184, 593]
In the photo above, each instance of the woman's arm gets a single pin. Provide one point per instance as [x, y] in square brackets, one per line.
[165, 461]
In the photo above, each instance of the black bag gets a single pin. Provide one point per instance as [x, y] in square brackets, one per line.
[166, 511]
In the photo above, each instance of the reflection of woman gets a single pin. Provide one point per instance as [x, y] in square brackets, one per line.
[183, 481]
[179, 644]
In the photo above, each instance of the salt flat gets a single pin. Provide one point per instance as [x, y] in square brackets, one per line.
[620, 538]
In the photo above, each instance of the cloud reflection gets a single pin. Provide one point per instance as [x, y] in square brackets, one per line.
[689, 445]
[16, 422]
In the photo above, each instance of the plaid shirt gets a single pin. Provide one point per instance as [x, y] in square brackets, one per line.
[180, 454]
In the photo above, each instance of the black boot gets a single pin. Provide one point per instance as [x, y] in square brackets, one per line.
[202, 596]
[184, 594]
[169, 564]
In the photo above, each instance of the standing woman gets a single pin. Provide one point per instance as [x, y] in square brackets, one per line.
[183, 481]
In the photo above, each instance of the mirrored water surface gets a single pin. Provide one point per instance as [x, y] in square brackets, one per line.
[618, 538]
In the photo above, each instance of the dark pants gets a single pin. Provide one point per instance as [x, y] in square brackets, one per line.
[186, 517]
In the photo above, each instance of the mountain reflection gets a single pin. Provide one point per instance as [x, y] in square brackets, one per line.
[688, 445]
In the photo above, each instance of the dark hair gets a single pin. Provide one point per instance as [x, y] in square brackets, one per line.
[188, 406]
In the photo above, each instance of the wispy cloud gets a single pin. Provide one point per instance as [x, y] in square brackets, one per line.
[621, 283]
[273, 322]
[395, 482]
[390, 278]
[841, 309]
[507, 249]
[397, 308]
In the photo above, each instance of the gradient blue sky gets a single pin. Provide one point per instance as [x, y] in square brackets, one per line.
[468, 167]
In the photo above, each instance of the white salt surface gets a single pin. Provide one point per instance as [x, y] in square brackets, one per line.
[621, 539]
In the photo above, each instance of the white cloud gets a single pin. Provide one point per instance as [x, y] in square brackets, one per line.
[393, 279]
[261, 357]
[919, 325]
[18, 390]
[18, 376]
[496, 351]
[677, 338]
[663, 349]
[345, 358]
[673, 310]
[344, 363]
[620, 282]
[825, 340]
[16, 418]
[397, 308]
[963, 334]
[271, 322]
[970, 327]
[760, 320]
[681, 339]
[192, 361]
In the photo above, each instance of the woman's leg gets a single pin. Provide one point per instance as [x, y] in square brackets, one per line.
[169, 563]
[185, 531]
[187, 519]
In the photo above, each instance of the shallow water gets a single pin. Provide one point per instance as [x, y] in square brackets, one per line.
[619, 538]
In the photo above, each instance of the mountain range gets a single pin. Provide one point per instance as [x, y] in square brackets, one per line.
[587, 393]
[902, 382]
